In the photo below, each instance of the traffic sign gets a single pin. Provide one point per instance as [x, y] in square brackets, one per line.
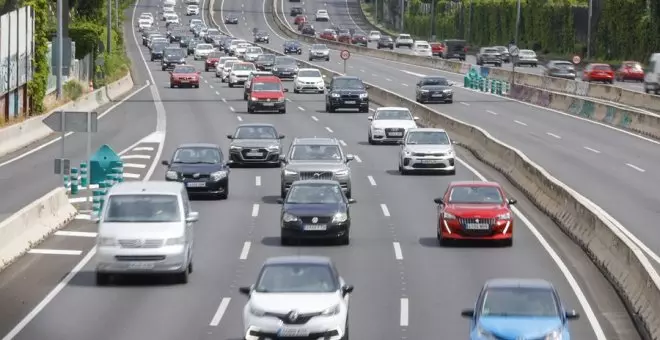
[73, 121]
[514, 50]
[345, 54]
[576, 59]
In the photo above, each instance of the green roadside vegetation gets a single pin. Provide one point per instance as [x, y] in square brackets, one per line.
[626, 29]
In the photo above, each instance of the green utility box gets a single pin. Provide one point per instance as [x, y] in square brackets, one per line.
[102, 163]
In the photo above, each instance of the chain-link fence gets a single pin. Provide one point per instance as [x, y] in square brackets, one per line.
[80, 69]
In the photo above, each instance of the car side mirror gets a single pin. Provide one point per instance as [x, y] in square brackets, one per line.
[282, 158]
[416, 118]
[323, 75]
[370, 118]
[230, 137]
[165, 163]
[280, 201]
[347, 289]
[454, 142]
[512, 201]
[451, 84]
[245, 290]
[467, 313]
[193, 216]
[367, 87]
[285, 90]
[170, 72]
[352, 200]
[295, 76]
[281, 136]
[349, 157]
[400, 142]
[438, 200]
[572, 315]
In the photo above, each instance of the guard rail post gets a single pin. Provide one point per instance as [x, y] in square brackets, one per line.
[97, 196]
[466, 81]
[74, 181]
[84, 179]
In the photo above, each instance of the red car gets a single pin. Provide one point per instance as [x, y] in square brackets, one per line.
[212, 61]
[267, 94]
[344, 38]
[184, 75]
[360, 40]
[598, 72]
[436, 49]
[630, 70]
[471, 210]
[299, 19]
[328, 35]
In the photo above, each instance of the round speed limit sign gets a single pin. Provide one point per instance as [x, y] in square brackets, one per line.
[345, 54]
[576, 59]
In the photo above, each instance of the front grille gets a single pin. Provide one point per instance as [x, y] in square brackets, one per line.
[324, 175]
[140, 258]
[394, 132]
[321, 219]
[191, 176]
[471, 232]
[137, 243]
[300, 320]
[244, 154]
[267, 100]
[429, 166]
[503, 338]
[350, 96]
[423, 154]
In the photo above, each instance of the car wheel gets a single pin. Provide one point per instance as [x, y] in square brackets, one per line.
[172, 85]
[190, 267]
[285, 241]
[370, 140]
[296, 91]
[450, 101]
[102, 279]
[344, 241]
[283, 111]
[250, 109]
[442, 241]
[364, 110]
[403, 171]
[182, 277]
[231, 84]
[507, 243]
[225, 194]
[330, 109]
[452, 172]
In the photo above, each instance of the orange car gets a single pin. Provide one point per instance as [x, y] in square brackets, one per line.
[630, 70]
[598, 72]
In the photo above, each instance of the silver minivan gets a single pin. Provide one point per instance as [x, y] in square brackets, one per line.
[145, 228]
[652, 75]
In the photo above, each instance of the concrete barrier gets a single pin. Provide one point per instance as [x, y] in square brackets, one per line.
[17, 136]
[599, 234]
[32, 224]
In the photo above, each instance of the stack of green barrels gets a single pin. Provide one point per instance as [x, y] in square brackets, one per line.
[475, 81]
[114, 176]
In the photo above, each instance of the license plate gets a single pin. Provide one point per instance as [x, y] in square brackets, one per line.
[184, 81]
[396, 134]
[269, 104]
[292, 332]
[315, 227]
[429, 161]
[254, 154]
[350, 102]
[140, 265]
[477, 226]
[437, 95]
[196, 184]
[286, 73]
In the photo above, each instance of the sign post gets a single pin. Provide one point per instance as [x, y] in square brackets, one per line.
[513, 51]
[345, 55]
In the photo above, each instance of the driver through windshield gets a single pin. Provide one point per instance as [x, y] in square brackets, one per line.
[197, 156]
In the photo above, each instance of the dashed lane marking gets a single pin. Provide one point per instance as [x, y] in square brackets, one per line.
[357, 158]
[553, 135]
[134, 165]
[131, 175]
[245, 251]
[386, 212]
[75, 233]
[55, 252]
[341, 141]
[329, 129]
[315, 119]
[398, 253]
[135, 157]
[257, 181]
[255, 210]
[143, 148]
[372, 181]
[220, 312]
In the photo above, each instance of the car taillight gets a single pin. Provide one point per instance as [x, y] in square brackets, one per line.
[465, 49]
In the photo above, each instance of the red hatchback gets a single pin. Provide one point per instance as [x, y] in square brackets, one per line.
[212, 61]
[267, 94]
[598, 72]
[436, 49]
[471, 210]
[328, 35]
[299, 19]
[184, 75]
[630, 70]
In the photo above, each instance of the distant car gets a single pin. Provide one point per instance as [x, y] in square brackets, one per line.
[504, 53]
[319, 51]
[389, 125]
[454, 48]
[247, 86]
[385, 42]
[322, 15]
[315, 295]
[559, 69]
[192, 10]
[241, 49]
[201, 168]
[172, 57]
[403, 40]
[194, 22]
[220, 65]
[292, 47]
[630, 70]
[252, 53]
[202, 51]
[308, 29]
[308, 79]
[231, 20]
[436, 49]
[255, 144]
[144, 23]
[422, 49]
[374, 36]
[328, 34]
[239, 73]
[313, 210]
[512, 308]
[296, 11]
[157, 52]
[285, 67]
[211, 60]
[193, 44]
[262, 37]
[426, 150]
[265, 62]
[489, 55]
[474, 211]
[299, 19]
[434, 89]
[527, 58]
[598, 72]
[184, 75]
[346, 92]
[267, 94]
[226, 69]
[359, 40]
[344, 37]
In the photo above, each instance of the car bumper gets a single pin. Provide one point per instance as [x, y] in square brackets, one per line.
[436, 97]
[238, 79]
[327, 328]
[454, 232]
[184, 82]
[309, 87]
[319, 56]
[297, 230]
[290, 51]
[193, 13]
[157, 56]
[169, 66]
[206, 186]
[266, 106]
[600, 78]
[527, 62]
[382, 137]
[236, 157]
[632, 76]
[264, 67]
[491, 61]
[570, 76]
[284, 74]
[420, 163]
[344, 182]
[262, 40]
[116, 260]
[349, 103]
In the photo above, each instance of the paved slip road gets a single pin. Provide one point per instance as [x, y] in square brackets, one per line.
[233, 238]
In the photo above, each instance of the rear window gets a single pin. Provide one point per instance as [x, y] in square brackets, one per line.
[404, 36]
[491, 50]
[634, 66]
[602, 68]
[131, 208]
[266, 86]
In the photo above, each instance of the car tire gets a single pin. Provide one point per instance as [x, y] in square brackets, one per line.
[225, 194]
[344, 241]
[245, 96]
[283, 111]
[402, 171]
[450, 101]
[182, 278]
[250, 110]
[172, 85]
[442, 241]
[191, 267]
[102, 279]
[370, 140]
[285, 241]
[365, 110]
[329, 109]
[231, 84]
[296, 91]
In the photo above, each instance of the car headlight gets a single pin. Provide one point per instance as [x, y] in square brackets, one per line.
[320, 82]
[171, 175]
[289, 218]
[342, 172]
[377, 130]
[275, 69]
[296, 69]
[176, 241]
[450, 153]
[447, 91]
[364, 95]
[335, 95]
[235, 148]
[106, 241]
[485, 335]
[273, 147]
[448, 216]
[334, 310]
[339, 218]
[506, 216]
[256, 311]
[253, 99]
[554, 335]
[218, 175]
[232, 74]
[289, 172]
[424, 91]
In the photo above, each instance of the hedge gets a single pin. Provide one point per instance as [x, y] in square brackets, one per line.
[627, 30]
[39, 83]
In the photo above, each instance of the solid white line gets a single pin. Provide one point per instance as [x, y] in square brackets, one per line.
[135, 157]
[134, 165]
[466, 104]
[255, 210]
[406, 85]
[130, 175]
[55, 252]
[386, 211]
[220, 312]
[404, 312]
[82, 217]
[590, 149]
[245, 251]
[231, 108]
[329, 129]
[257, 181]
[301, 108]
[143, 148]
[315, 119]
[361, 70]
[357, 158]
[371, 180]
[519, 122]
[77, 199]
[553, 135]
[342, 142]
[240, 119]
[75, 233]
[635, 167]
[398, 254]
[224, 100]
[492, 112]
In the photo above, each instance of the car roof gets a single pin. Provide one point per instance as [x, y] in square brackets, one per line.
[153, 187]
[474, 183]
[434, 77]
[346, 77]
[198, 145]
[392, 108]
[267, 79]
[255, 125]
[315, 182]
[308, 69]
[305, 259]
[518, 283]
[315, 141]
[426, 130]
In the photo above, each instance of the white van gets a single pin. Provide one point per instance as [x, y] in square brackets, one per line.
[422, 48]
[652, 75]
[170, 2]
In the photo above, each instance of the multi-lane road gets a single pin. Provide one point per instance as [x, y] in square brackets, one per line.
[406, 286]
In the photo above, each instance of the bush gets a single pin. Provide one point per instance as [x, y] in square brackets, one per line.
[73, 89]
[37, 86]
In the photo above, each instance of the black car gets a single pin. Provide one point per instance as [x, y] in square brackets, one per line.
[285, 67]
[262, 37]
[265, 62]
[292, 47]
[231, 20]
[192, 44]
[315, 209]
[202, 169]
[434, 89]
[296, 11]
[175, 36]
[347, 92]
[385, 42]
[255, 144]
[157, 51]
[185, 40]
[173, 57]
[308, 29]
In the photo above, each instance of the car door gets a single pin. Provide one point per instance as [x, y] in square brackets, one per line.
[328, 93]
[190, 236]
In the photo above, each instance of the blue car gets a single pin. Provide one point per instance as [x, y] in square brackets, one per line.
[292, 47]
[513, 309]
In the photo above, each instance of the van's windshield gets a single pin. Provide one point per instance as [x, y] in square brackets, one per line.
[136, 208]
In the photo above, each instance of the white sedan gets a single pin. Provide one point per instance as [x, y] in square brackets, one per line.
[389, 124]
[192, 10]
[252, 53]
[308, 79]
[241, 48]
[322, 15]
[226, 69]
[203, 50]
[220, 65]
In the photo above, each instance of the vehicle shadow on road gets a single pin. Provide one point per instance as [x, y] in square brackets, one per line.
[432, 242]
[270, 199]
[88, 279]
[274, 241]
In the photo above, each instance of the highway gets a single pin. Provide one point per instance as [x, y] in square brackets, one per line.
[393, 256]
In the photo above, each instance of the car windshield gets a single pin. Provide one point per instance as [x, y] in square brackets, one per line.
[254, 50]
[475, 195]
[501, 48]
[393, 115]
[285, 61]
[353, 84]
[491, 50]
[230, 63]
[130, 208]
[527, 53]
[309, 74]
[158, 47]
[266, 57]
[193, 6]
[314, 194]
[435, 81]
[215, 54]
[296, 278]
[243, 67]
[428, 138]
[386, 38]
[184, 69]
[195, 21]
[197, 155]
[404, 36]
[226, 59]
[634, 66]
[316, 153]
[291, 43]
[319, 47]
[205, 46]
[563, 64]
[255, 132]
[602, 68]
[174, 53]
[525, 302]
[267, 87]
[423, 46]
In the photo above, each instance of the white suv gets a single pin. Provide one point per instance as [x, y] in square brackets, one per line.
[404, 40]
[322, 15]
[374, 36]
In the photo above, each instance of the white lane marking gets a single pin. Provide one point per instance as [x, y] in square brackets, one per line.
[73, 200]
[315, 119]
[591, 149]
[224, 100]
[135, 157]
[55, 252]
[635, 167]
[257, 181]
[388, 79]
[406, 85]
[83, 217]
[245, 251]
[240, 119]
[143, 148]
[301, 108]
[217, 93]
[374, 75]
[329, 129]
[255, 210]
[211, 86]
[288, 100]
[341, 141]
[130, 175]
[220, 312]
[357, 158]
[398, 254]
[584, 303]
[361, 70]
[372, 181]
[206, 81]
[404, 312]
[232, 109]
[134, 165]
[372, 110]
[414, 73]
[75, 233]
[519, 123]
[464, 103]
[553, 135]
[386, 212]
[492, 112]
